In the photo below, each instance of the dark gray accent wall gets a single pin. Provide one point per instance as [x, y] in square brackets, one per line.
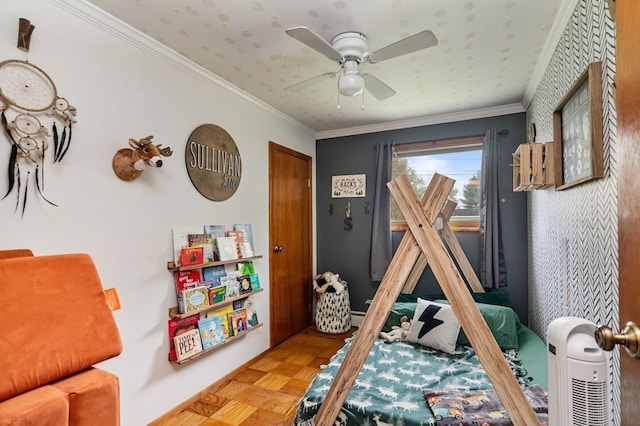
[346, 252]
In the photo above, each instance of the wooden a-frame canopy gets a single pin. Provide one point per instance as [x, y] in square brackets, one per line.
[422, 246]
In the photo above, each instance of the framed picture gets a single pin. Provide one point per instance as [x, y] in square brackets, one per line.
[577, 131]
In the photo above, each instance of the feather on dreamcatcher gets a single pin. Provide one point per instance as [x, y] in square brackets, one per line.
[26, 91]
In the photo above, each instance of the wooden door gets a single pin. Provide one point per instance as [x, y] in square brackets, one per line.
[628, 108]
[290, 238]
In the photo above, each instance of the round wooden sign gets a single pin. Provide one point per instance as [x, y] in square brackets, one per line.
[213, 162]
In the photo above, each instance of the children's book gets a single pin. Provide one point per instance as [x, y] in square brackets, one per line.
[187, 279]
[216, 294]
[206, 242]
[245, 268]
[193, 299]
[213, 274]
[252, 314]
[211, 332]
[232, 285]
[238, 320]
[246, 250]
[255, 282]
[246, 229]
[227, 248]
[215, 231]
[178, 326]
[191, 256]
[180, 235]
[239, 237]
[224, 321]
[245, 284]
[187, 344]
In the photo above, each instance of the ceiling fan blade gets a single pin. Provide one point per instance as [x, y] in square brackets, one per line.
[306, 36]
[377, 88]
[413, 43]
[310, 82]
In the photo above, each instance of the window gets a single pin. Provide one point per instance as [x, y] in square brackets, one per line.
[459, 159]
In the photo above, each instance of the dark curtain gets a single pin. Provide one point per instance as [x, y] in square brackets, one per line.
[381, 233]
[493, 271]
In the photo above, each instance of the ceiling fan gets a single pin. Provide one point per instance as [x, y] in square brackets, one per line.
[350, 49]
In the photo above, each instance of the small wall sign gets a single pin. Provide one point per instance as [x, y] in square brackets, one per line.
[344, 186]
[213, 162]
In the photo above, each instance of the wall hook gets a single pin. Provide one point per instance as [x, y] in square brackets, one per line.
[25, 29]
[367, 207]
[330, 209]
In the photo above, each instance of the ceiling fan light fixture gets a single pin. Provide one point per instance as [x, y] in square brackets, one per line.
[350, 82]
[350, 85]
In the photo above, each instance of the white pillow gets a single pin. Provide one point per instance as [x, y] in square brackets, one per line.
[434, 325]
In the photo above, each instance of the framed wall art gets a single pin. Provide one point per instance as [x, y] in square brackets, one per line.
[577, 131]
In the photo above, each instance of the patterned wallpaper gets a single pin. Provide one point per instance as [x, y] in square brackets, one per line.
[573, 234]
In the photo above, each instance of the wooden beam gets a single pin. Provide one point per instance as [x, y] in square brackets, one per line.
[467, 312]
[394, 279]
[454, 246]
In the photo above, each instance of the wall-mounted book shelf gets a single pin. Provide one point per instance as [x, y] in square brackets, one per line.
[221, 344]
[174, 313]
[171, 265]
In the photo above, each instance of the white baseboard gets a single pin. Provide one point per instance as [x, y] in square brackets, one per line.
[356, 318]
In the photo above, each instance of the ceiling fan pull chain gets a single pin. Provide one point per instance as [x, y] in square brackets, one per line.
[363, 100]
[338, 91]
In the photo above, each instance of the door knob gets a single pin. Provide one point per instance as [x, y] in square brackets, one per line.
[629, 337]
[277, 249]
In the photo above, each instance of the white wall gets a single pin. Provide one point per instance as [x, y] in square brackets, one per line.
[124, 89]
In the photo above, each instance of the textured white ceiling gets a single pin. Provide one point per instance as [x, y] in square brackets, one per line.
[486, 55]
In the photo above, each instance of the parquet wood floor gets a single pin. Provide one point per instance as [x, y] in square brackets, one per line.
[264, 391]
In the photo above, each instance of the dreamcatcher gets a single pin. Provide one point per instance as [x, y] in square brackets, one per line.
[26, 91]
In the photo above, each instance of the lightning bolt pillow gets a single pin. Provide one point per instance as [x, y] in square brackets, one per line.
[434, 325]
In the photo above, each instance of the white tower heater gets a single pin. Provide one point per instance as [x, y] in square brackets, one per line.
[578, 375]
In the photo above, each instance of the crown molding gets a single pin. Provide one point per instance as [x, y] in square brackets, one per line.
[565, 12]
[423, 121]
[119, 29]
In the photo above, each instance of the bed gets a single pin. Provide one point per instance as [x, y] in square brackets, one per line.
[409, 383]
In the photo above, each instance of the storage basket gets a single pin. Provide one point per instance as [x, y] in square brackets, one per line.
[333, 312]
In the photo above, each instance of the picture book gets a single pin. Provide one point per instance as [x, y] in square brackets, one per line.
[206, 242]
[180, 235]
[245, 268]
[252, 314]
[217, 294]
[232, 285]
[191, 256]
[211, 332]
[239, 237]
[255, 282]
[187, 344]
[187, 279]
[246, 229]
[193, 299]
[246, 249]
[227, 248]
[245, 284]
[223, 314]
[213, 274]
[215, 230]
[238, 320]
[178, 326]
[238, 304]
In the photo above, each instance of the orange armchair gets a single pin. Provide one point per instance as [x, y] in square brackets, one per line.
[56, 325]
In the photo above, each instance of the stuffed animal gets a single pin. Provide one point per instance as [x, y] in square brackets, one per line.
[328, 283]
[397, 333]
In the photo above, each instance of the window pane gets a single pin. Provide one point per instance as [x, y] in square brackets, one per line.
[462, 164]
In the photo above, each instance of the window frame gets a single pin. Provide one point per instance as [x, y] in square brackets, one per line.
[441, 145]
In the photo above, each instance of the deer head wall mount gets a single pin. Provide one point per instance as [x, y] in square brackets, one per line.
[129, 163]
